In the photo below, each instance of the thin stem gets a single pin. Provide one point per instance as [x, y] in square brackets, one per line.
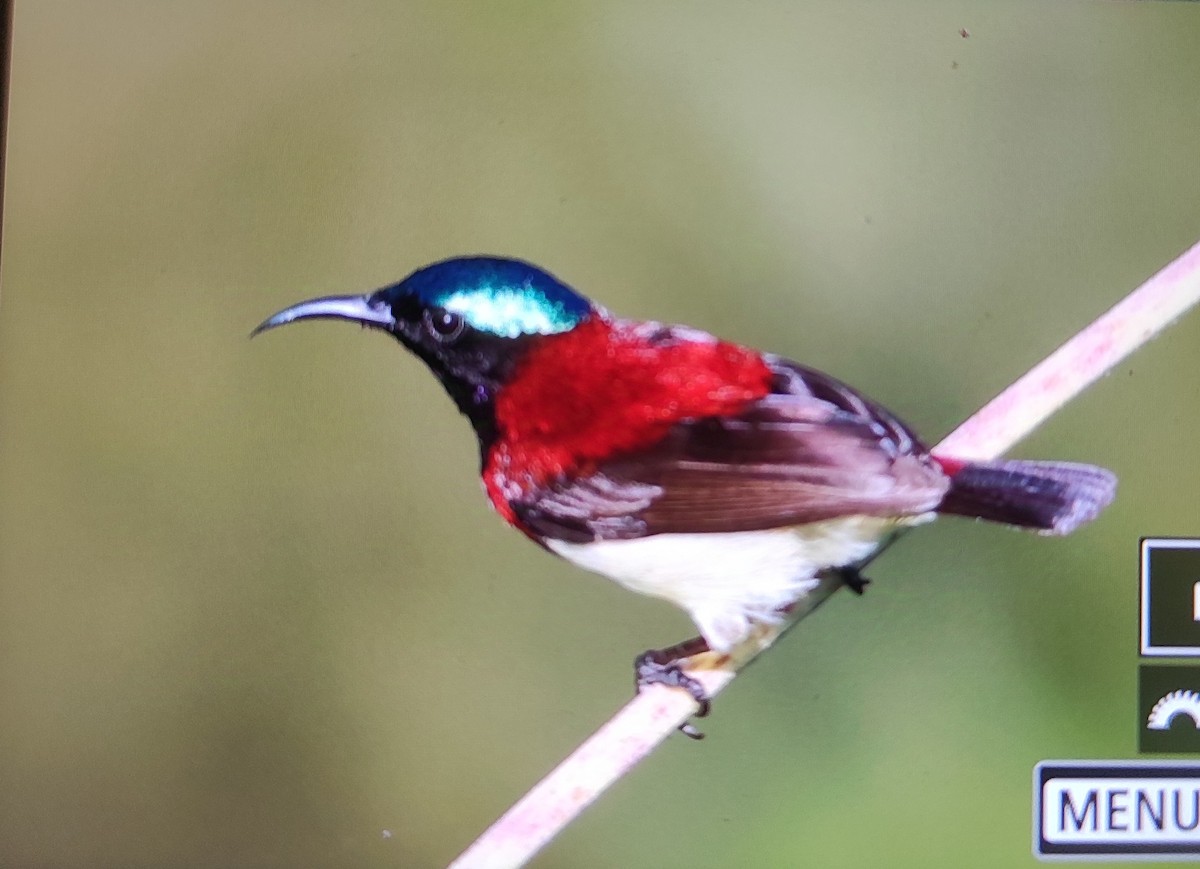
[656, 712]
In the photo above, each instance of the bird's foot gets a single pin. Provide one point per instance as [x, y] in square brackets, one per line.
[852, 579]
[665, 667]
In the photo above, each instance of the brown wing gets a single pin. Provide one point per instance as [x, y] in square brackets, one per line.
[811, 450]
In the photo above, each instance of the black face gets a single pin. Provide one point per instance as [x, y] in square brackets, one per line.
[469, 318]
[470, 363]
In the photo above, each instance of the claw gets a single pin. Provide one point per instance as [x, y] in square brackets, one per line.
[852, 579]
[662, 667]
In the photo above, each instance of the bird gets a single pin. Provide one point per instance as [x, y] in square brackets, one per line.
[723, 479]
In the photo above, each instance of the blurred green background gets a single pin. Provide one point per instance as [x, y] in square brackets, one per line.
[253, 608]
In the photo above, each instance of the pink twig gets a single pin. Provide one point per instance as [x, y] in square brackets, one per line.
[656, 712]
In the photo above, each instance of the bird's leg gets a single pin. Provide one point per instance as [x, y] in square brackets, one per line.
[665, 667]
[851, 578]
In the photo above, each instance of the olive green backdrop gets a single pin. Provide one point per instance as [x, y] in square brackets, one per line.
[253, 608]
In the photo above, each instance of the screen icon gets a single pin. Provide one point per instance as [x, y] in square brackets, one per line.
[1170, 597]
[1116, 809]
[1169, 709]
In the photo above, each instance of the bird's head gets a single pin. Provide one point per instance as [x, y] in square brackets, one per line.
[469, 318]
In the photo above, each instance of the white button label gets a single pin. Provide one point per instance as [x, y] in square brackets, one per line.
[1117, 808]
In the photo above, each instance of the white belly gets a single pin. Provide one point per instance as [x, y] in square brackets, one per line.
[727, 581]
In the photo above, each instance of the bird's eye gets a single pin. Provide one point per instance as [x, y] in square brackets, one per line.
[444, 325]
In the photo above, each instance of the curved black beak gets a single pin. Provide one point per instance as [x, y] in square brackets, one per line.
[357, 309]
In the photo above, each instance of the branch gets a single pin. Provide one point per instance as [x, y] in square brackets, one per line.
[657, 711]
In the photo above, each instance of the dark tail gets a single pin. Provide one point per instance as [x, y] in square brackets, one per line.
[1051, 497]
